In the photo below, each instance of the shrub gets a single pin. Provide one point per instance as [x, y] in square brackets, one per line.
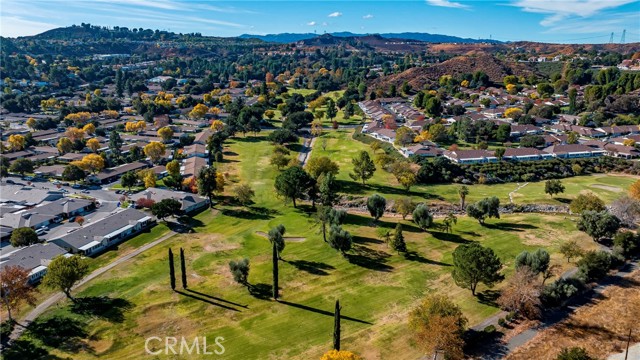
[560, 290]
[574, 353]
[594, 265]
[489, 329]
[502, 322]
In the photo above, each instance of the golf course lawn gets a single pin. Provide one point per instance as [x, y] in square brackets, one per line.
[376, 287]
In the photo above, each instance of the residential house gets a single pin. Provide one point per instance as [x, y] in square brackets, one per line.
[112, 174]
[622, 151]
[198, 150]
[191, 166]
[424, 150]
[34, 258]
[94, 238]
[525, 154]
[66, 207]
[573, 151]
[470, 156]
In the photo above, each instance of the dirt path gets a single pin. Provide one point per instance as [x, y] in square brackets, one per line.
[516, 190]
[53, 299]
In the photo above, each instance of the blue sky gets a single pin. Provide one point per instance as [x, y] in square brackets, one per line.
[575, 21]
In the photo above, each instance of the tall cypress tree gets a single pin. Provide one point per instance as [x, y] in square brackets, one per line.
[275, 270]
[183, 268]
[336, 327]
[172, 272]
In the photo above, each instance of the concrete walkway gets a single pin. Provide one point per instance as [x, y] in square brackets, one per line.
[307, 146]
[53, 299]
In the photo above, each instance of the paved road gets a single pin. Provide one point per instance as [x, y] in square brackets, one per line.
[52, 300]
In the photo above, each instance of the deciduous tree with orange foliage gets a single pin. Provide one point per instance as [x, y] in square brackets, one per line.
[92, 162]
[217, 125]
[198, 111]
[14, 281]
[64, 145]
[93, 144]
[16, 142]
[154, 150]
[31, 123]
[89, 129]
[165, 133]
[512, 113]
[438, 324]
[74, 134]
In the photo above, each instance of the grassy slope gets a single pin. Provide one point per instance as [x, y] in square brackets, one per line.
[377, 286]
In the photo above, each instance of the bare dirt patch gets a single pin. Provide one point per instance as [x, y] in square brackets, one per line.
[286, 238]
[600, 327]
[607, 187]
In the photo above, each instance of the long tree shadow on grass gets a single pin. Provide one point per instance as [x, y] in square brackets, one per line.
[250, 138]
[206, 300]
[356, 188]
[488, 297]
[217, 298]
[104, 307]
[260, 291]
[244, 214]
[24, 349]
[414, 256]
[366, 240]
[505, 226]
[450, 237]
[369, 258]
[312, 267]
[361, 220]
[323, 312]
[60, 332]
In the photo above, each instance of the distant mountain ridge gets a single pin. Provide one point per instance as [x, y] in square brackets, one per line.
[426, 37]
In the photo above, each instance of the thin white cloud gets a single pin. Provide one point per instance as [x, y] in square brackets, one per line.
[156, 4]
[557, 11]
[335, 14]
[447, 3]
[311, 23]
[368, 16]
[325, 23]
[13, 26]
[595, 26]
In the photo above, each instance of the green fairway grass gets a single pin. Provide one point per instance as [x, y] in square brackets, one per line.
[376, 286]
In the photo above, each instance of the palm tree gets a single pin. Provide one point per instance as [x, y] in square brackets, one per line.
[463, 191]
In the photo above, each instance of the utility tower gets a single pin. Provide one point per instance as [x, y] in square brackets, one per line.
[611, 39]
[624, 32]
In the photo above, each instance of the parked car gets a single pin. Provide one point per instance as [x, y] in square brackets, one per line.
[85, 191]
[77, 186]
[65, 184]
[118, 191]
[28, 178]
[57, 182]
[9, 181]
